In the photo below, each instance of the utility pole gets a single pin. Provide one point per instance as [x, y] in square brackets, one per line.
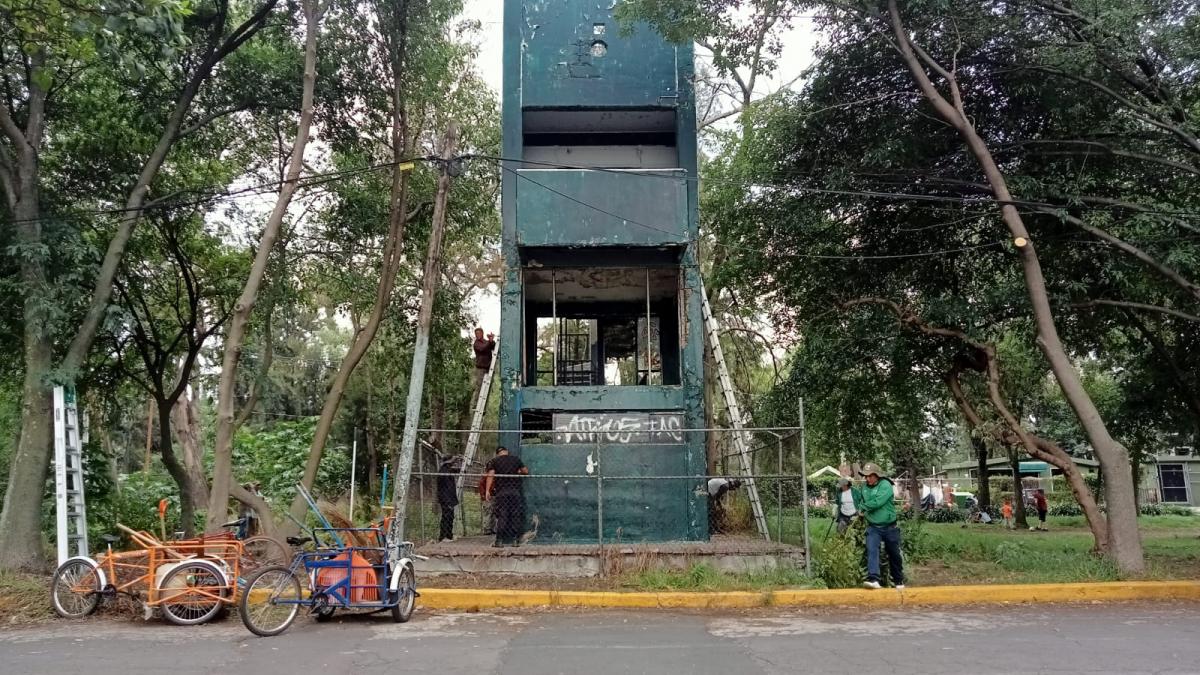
[416, 382]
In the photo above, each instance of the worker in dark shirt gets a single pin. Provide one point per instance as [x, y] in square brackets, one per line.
[505, 489]
[484, 349]
[447, 495]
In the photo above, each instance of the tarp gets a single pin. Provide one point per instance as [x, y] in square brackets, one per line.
[364, 586]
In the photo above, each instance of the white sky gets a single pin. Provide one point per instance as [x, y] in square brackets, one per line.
[799, 43]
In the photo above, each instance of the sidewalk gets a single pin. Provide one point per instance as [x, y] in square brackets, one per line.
[479, 599]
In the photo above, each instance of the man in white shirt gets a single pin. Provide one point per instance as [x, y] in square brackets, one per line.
[845, 505]
[717, 488]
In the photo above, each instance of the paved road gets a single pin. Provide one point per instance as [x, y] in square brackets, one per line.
[1058, 640]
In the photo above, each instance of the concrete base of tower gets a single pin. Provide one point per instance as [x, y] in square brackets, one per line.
[725, 553]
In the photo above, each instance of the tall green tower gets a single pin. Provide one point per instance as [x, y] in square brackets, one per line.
[601, 350]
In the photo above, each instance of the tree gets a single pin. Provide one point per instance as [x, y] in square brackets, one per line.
[883, 187]
[49, 50]
[222, 485]
[171, 308]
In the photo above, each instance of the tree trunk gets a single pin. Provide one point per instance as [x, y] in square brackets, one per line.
[1019, 513]
[21, 543]
[393, 252]
[1040, 448]
[222, 484]
[985, 488]
[1123, 536]
[177, 470]
[185, 422]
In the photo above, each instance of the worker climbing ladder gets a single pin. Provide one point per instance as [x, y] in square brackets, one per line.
[70, 510]
[740, 441]
[485, 390]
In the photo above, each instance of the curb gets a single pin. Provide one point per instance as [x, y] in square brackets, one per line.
[1120, 591]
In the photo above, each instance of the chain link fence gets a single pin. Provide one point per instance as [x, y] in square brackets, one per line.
[612, 486]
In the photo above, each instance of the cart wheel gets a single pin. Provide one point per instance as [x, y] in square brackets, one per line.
[192, 593]
[270, 601]
[324, 614]
[262, 551]
[402, 611]
[75, 591]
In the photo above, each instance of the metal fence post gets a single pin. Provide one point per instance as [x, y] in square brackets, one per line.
[599, 500]
[779, 506]
[804, 490]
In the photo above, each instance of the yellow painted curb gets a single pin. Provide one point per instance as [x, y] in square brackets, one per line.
[472, 599]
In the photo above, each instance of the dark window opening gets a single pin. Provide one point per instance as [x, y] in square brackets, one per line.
[606, 139]
[1173, 479]
[598, 326]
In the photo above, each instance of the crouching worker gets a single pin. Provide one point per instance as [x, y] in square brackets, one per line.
[876, 502]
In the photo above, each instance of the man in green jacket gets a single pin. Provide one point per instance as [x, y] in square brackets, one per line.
[876, 502]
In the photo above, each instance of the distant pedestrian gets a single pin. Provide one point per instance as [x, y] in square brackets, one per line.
[717, 514]
[1039, 502]
[947, 496]
[484, 350]
[447, 495]
[846, 510]
[1007, 512]
[506, 491]
[876, 502]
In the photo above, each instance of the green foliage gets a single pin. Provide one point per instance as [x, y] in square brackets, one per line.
[704, 577]
[274, 457]
[838, 561]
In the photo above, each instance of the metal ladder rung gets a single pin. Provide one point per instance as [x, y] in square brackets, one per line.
[735, 414]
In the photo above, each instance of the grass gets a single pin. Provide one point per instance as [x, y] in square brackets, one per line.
[703, 577]
[952, 554]
[24, 599]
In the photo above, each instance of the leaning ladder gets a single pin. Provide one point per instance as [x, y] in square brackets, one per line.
[485, 390]
[740, 442]
[68, 477]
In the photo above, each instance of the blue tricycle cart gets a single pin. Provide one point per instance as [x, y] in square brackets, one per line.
[339, 573]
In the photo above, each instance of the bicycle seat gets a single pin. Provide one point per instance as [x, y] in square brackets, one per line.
[109, 538]
[237, 523]
[298, 541]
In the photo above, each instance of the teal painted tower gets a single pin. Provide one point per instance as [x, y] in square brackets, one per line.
[601, 342]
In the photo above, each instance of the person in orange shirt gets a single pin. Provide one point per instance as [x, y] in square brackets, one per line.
[1007, 512]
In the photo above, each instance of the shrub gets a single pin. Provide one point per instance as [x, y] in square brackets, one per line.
[839, 564]
[946, 516]
[1064, 509]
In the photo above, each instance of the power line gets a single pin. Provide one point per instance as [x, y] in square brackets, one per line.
[878, 194]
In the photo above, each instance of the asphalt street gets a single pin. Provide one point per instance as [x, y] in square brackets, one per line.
[1069, 639]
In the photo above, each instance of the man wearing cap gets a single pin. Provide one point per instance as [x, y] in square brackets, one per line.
[846, 510]
[876, 502]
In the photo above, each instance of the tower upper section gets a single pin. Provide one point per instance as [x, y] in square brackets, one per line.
[599, 128]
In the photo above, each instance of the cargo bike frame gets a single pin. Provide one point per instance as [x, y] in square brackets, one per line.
[358, 570]
[190, 581]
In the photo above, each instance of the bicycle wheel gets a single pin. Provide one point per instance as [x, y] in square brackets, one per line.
[192, 593]
[402, 611]
[270, 601]
[75, 591]
[261, 551]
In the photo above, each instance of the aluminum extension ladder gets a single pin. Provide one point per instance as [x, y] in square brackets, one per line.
[740, 442]
[485, 390]
[70, 510]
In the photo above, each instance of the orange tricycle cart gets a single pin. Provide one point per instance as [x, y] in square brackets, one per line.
[190, 580]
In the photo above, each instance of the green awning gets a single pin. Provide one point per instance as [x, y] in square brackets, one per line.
[1034, 467]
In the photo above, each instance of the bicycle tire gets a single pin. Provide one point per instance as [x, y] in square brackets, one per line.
[406, 603]
[275, 583]
[260, 551]
[67, 596]
[200, 609]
